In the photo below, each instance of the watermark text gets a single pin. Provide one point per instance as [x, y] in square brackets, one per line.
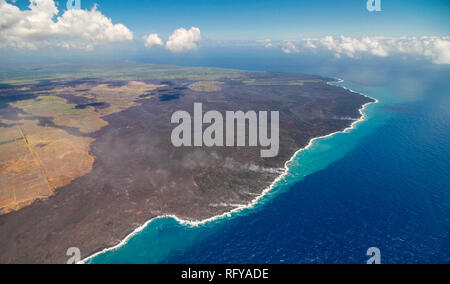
[191, 131]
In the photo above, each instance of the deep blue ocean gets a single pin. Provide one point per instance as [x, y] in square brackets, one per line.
[385, 184]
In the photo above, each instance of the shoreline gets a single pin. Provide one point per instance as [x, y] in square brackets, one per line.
[256, 200]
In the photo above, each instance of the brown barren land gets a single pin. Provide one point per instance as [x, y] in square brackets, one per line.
[87, 161]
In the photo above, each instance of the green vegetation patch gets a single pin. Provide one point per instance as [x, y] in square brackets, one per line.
[49, 106]
[119, 71]
[206, 86]
[277, 82]
[62, 113]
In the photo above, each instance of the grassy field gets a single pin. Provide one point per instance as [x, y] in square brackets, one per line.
[63, 114]
[275, 82]
[206, 86]
[122, 71]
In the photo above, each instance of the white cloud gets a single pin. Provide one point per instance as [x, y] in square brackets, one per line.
[267, 43]
[350, 46]
[152, 40]
[36, 27]
[183, 40]
[436, 49]
[289, 47]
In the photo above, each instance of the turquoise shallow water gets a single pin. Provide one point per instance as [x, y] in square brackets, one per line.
[383, 184]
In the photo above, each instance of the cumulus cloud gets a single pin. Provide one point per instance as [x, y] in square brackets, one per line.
[183, 40]
[437, 49]
[267, 43]
[152, 40]
[35, 27]
[289, 47]
[350, 47]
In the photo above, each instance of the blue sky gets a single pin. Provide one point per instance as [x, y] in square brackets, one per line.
[276, 19]
[280, 19]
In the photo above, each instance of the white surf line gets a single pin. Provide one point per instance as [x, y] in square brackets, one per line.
[255, 201]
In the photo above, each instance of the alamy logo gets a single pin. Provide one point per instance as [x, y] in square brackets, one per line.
[375, 255]
[213, 134]
[73, 4]
[374, 5]
[75, 255]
